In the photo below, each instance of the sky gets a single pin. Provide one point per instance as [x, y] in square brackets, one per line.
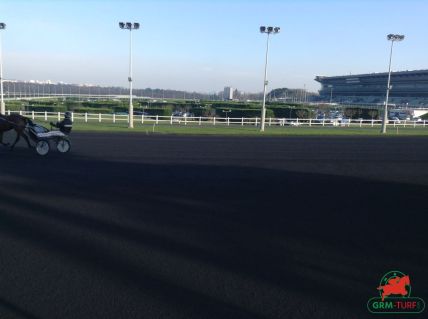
[205, 45]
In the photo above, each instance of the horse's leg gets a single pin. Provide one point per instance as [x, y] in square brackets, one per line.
[1, 140]
[26, 139]
[18, 135]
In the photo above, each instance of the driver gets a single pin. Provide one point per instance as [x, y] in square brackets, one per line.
[65, 125]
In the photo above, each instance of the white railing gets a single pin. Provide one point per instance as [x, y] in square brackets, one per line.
[225, 121]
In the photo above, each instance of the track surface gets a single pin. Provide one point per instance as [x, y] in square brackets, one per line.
[136, 226]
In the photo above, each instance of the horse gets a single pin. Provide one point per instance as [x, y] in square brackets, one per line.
[14, 122]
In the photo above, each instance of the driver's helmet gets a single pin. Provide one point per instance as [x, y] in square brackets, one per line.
[67, 115]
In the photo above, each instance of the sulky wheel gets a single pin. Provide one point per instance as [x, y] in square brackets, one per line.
[63, 146]
[42, 147]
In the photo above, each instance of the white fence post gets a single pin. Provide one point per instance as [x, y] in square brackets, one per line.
[86, 117]
[114, 117]
[157, 119]
[323, 122]
[8, 112]
[142, 119]
[214, 120]
[200, 120]
[361, 122]
[256, 121]
[46, 115]
[242, 121]
[32, 115]
[310, 122]
[59, 116]
[185, 120]
[170, 120]
[20, 113]
[99, 117]
[372, 122]
[228, 122]
[72, 116]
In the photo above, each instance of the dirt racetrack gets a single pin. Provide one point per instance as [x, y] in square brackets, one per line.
[150, 226]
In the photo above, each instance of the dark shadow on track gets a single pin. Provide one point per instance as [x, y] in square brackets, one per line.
[9, 310]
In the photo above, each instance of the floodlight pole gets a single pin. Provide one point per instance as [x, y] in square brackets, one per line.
[392, 38]
[385, 115]
[268, 31]
[130, 26]
[2, 105]
[265, 84]
[131, 106]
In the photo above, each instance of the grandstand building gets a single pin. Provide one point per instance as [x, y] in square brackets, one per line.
[408, 88]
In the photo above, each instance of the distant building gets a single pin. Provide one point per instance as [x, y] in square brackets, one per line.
[407, 88]
[228, 93]
[236, 94]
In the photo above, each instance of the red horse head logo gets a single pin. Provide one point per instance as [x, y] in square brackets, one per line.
[395, 286]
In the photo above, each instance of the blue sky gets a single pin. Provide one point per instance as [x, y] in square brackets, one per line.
[204, 46]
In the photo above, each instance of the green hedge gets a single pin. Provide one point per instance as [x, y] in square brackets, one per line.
[161, 111]
[47, 108]
[156, 105]
[283, 112]
[121, 109]
[72, 105]
[103, 104]
[42, 103]
[93, 110]
[287, 105]
[235, 105]
[243, 112]
[15, 106]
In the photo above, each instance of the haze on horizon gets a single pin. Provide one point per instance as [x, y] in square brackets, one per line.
[203, 46]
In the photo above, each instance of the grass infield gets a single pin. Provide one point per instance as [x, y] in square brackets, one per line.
[205, 129]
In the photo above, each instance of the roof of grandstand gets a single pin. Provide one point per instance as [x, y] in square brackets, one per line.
[320, 77]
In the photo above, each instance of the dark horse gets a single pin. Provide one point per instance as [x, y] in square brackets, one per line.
[14, 122]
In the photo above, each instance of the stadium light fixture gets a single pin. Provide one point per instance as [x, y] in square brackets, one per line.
[392, 38]
[2, 106]
[130, 26]
[268, 31]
